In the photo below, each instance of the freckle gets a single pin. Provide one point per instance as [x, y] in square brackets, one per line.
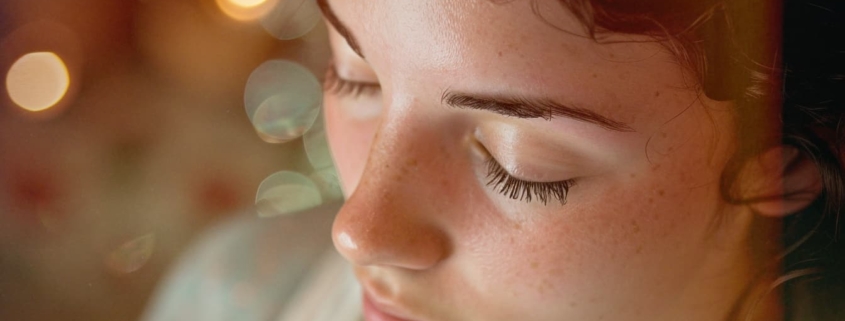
[547, 284]
[670, 149]
[656, 94]
[636, 226]
[663, 135]
[611, 55]
[594, 75]
[650, 200]
[633, 175]
[534, 265]
[661, 192]
[573, 304]
[639, 249]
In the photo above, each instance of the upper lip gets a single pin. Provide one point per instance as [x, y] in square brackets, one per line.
[388, 306]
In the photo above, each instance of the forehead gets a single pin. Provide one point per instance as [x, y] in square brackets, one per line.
[497, 45]
[450, 31]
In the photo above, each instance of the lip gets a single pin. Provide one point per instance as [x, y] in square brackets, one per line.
[376, 311]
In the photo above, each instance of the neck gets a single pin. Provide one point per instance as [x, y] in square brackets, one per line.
[763, 297]
[741, 284]
[762, 301]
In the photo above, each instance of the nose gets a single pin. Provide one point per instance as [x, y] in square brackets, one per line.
[390, 219]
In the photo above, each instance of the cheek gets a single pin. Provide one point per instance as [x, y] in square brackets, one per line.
[349, 139]
[616, 247]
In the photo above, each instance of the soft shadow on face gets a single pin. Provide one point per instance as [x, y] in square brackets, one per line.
[431, 240]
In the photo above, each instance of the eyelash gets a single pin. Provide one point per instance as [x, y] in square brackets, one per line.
[336, 85]
[503, 182]
[498, 178]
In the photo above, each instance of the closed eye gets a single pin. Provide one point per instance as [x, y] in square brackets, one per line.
[337, 85]
[504, 183]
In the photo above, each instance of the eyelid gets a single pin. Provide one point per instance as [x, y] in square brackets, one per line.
[354, 70]
[338, 85]
[534, 153]
[503, 182]
[506, 184]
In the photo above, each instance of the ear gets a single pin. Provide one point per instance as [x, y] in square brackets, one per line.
[780, 181]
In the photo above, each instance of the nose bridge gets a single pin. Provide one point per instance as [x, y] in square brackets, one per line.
[387, 220]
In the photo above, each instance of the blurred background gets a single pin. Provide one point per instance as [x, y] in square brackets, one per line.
[128, 127]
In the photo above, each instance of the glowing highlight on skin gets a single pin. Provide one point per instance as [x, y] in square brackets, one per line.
[346, 241]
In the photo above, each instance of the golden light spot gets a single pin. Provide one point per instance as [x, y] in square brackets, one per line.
[247, 3]
[37, 81]
[245, 10]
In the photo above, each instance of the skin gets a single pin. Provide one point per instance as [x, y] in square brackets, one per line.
[645, 234]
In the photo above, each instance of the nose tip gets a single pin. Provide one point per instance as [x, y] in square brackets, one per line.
[372, 237]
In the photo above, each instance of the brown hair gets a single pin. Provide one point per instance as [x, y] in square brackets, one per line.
[733, 49]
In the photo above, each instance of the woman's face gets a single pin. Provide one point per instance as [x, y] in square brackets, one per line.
[513, 92]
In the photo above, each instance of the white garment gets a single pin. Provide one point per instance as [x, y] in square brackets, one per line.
[331, 294]
[253, 269]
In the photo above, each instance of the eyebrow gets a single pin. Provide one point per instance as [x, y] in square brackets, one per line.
[339, 26]
[531, 108]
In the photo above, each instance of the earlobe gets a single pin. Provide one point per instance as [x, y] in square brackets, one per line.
[780, 182]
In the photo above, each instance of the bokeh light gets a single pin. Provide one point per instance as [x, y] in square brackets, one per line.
[247, 3]
[328, 183]
[42, 64]
[291, 19]
[282, 100]
[132, 255]
[246, 10]
[317, 145]
[37, 81]
[286, 192]
[175, 38]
